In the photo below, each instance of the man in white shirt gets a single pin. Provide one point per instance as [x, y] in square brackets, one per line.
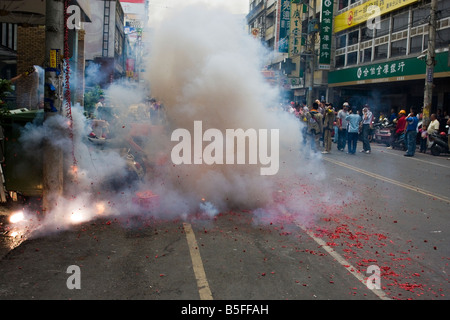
[433, 127]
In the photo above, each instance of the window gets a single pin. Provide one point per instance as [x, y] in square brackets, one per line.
[381, 52]
[366, 55]
[352, 58]
[8, 35]
[340, 61]
[420, 16]
[342, 4]
[270, 20]
[398, 48]
[366, 34]
[353, 37]
[416, 44]
[384, 28]
[443, 7]
[341, 41]
[400, 22]
[442, 38]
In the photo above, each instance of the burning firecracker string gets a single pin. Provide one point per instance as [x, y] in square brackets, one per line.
[67, 84]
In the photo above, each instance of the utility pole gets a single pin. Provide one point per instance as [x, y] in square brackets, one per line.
[311, 56]
[430, 62]
[53, 99]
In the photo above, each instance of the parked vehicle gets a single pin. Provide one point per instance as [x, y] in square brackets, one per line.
[439, 143]
[400, 143]
[383, 131]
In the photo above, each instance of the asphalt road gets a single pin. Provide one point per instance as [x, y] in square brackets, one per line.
[379, 211]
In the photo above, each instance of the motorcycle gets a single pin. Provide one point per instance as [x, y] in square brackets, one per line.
[400, 143]
[383, 131]
[439, 143]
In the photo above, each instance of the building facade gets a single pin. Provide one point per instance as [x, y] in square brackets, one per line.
[361, 51]
[105, 41]
[136, 29]
[381, 61]
[22, 48]
[291, 30]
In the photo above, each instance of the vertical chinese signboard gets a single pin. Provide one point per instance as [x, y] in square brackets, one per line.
[285, 16]
[326, 34]
[296, 28]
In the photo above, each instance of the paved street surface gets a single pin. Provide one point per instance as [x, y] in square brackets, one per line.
[381, 210]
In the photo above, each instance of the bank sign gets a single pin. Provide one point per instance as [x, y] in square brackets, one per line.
[396, 70]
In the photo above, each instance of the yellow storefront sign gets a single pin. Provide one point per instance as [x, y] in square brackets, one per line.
[362, 13]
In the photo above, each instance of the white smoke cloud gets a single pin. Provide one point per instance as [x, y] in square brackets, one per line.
[204, 67]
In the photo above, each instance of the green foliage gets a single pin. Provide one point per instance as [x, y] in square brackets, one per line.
[5, 89]
[91, 97]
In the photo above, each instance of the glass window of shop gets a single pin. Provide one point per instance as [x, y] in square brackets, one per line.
[366, 34]
[443, 9]
[425, 41]
[341, 41]
[365, 55]
[416, 44]
[381, 52]
[340, 61]
[384, 28]
[420, 16]
[398, 48]
[400, 21]
[342, 4]
[442, 38]
[352, 58]
[353, 37]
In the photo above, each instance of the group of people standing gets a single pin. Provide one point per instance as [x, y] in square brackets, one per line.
[409, 126]
[321, 120]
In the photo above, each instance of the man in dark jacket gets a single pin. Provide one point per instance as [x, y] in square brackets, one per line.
[314, 125]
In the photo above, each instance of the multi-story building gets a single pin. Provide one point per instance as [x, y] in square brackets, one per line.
[380, 59]
[22, 46]
[290, 30]
[360, 55]
[105, 42]
[136, 28]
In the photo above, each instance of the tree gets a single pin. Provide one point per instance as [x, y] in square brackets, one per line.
[91, 97]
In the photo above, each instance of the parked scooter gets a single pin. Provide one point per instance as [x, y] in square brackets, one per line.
[383, 131]
[439, 143]
[400, 143]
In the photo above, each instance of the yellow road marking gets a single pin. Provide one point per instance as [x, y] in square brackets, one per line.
[382, 178]
[197, 264]
[413, 158]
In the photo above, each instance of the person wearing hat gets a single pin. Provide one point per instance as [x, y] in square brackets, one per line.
[328, 127]
[411, 133]
[401, 124]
